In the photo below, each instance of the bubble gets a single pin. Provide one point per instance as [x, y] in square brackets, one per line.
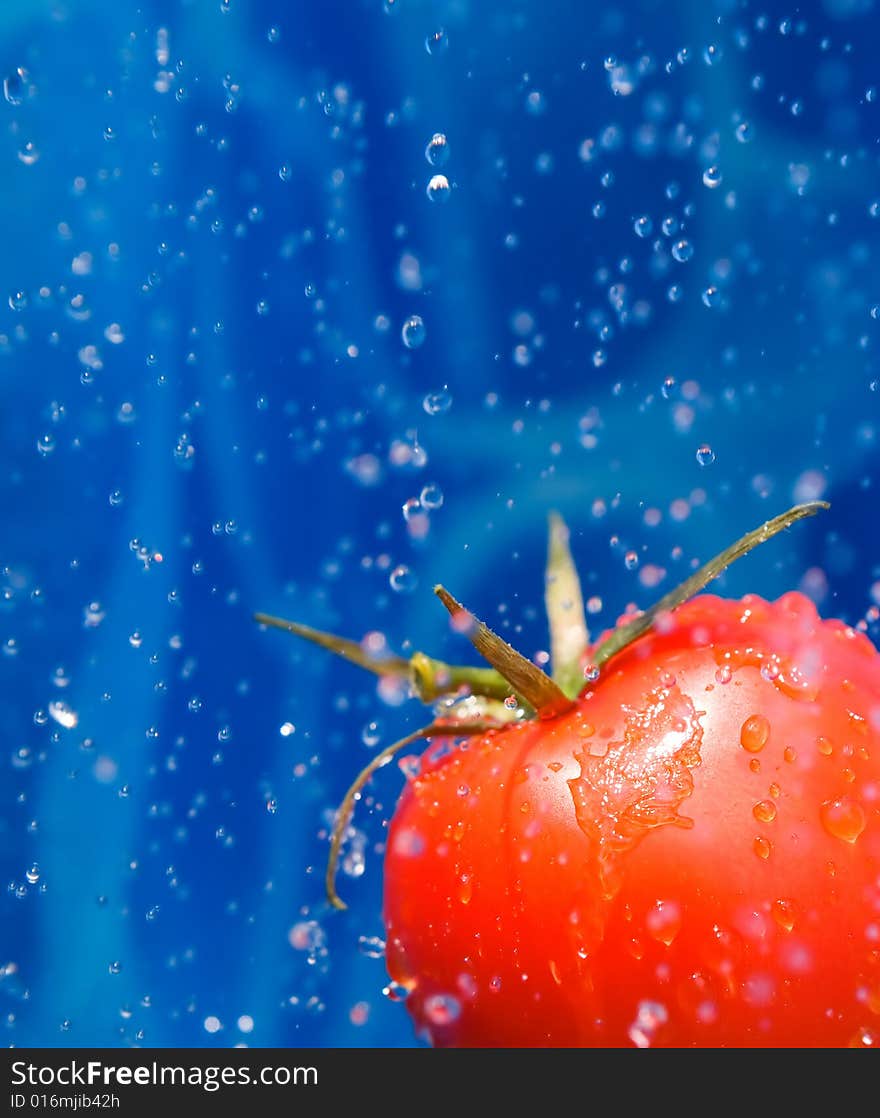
[285, 172]
[115, 967]
[33, 874]
[438, 189]
[631, 560]
[46, 444]
[18, 300]
[402, 580]
[744, 132]
[437, 151]
[437, 43]
[431, 496]
[705, 455]
[643, 226]
[115, 498]
[437, 403]
[413, 332]
[712, 177]
[682, 251]
[271, 805]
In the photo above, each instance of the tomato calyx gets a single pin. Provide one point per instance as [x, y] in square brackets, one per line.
[478, 700]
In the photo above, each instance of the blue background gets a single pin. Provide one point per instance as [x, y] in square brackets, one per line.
[207, 408]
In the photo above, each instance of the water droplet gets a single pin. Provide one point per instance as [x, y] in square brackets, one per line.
[744, 132]
[631, 560]
[784, 913]
[413, 332]
[712, 54]
[754, 733]
[33, 874]
[371, 946]
[436, 403]
[371, 734]
[682, 251]
[764, 811]
[115, 967]
[664, 921]
[711, 297]
[28, 153]
[437, 43]
[271, 805]
[712, 177]
[591, 673]
[705, 455]
[643, 226]
[402, 580]
[437, 151]
[844, 818]
[431, 496]
[15, 85]
[438, 189]
[442, 1009]
[762, 847]
[650, 1016]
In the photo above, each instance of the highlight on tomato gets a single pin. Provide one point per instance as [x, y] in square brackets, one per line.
[671, 841]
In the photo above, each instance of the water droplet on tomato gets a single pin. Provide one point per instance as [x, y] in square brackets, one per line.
[844, 818]
[754, 733]
[784, 913]
[649, 1018]
[442, 1009]
[762, 847]
[824, 746]
[664, 921]
[764, 811]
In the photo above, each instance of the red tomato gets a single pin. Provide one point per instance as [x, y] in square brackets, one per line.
[689, 857]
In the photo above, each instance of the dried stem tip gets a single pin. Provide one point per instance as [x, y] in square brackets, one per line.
[524, 677]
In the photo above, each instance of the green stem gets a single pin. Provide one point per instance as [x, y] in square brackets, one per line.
[569, 636]
[430, 679]
[625, 634]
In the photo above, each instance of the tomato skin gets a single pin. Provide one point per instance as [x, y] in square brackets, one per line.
[690, 857]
